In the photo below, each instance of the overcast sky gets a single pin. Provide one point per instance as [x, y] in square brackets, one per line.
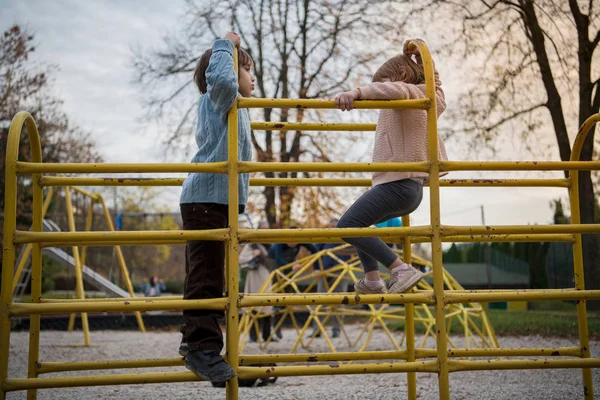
[91, 42]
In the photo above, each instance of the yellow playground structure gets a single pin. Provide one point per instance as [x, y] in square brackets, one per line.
[443, 297]
[478, 332]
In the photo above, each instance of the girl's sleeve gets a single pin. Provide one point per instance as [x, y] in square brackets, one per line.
[221, 79]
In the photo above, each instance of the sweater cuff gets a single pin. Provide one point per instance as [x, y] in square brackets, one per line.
[223, 45]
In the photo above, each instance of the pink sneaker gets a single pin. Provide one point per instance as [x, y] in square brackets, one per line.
[402, 280]
[362, 288]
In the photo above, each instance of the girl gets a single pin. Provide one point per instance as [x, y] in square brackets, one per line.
[401, 137]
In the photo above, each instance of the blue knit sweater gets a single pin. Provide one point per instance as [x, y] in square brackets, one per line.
[211, 131]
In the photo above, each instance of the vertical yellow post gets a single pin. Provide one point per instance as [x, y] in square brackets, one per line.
[10, 224]
[409, 318]
[36, 285]
[434, 211]
[584, 340]
[78, 268]
[88, 227]
[124, 271]
[232, 284]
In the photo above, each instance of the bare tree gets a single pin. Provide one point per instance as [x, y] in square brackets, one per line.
[537, 66]
[25, 85]
[301, 49]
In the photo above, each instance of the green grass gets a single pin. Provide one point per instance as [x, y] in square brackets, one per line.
[527, 323]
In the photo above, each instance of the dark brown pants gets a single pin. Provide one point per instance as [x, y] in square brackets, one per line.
[204, 275]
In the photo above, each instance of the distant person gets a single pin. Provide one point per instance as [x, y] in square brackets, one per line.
[154, 287]
[391, 223]
[253, 259]
[204, 201]
[401, 137]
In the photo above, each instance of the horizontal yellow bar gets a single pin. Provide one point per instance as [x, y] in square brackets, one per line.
[108, 299]
[309, 126]
[249, 102]
[553, 237]
[52, 367]
[296, 182]
[288, 299]
[504, 182]
[116, 237]
[13, 384]
[448, 230]
[18, 309]
[307, 370]
[506, 352]
[76, 181]
[333, 167]
[157, 242]
[522, 295]
[468, 365]
[26, 168]
[248, 234]
[518, 165]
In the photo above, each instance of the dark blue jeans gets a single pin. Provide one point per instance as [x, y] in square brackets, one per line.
[382, 202]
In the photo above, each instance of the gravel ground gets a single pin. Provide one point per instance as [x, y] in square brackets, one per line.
[107, 345]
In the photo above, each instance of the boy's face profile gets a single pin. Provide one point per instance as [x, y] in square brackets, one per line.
[246, 80]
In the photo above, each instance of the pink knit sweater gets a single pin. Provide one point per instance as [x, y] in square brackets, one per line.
[401, 135]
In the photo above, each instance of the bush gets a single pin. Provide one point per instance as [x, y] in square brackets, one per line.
[175, 286]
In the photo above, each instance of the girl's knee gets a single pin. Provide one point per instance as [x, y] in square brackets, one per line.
[345, 222]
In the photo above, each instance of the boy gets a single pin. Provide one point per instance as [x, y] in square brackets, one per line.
[204, 201]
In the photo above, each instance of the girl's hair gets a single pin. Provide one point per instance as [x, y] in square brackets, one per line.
[400, 69]
[244, 60]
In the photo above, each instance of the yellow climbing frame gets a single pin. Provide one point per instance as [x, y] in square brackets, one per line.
[445, 360]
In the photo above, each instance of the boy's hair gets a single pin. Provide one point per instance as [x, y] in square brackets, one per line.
[244, 59]
[400, 69]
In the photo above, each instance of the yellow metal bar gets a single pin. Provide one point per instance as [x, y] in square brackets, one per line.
[519, 229]
[409, 315]
[287, 299]
[521, 295]
[88, 228]
[434, 211]
[261, 234]
[337, 182]
[482, 365]
[18, 309]
[519, 165]
[116, 237]
[36, 283]
[584, 341]
[84, 192]
[247, 102]
[73, 181]
[27, 168]
[308, 126]
[99, 380]
[121, 260]
[53, 367]
[109, 299]
[78, 268]
[248, 166]
[10, 221]
[504, 182]
[231, 270]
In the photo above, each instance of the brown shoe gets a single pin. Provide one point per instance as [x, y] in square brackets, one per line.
[402, 280]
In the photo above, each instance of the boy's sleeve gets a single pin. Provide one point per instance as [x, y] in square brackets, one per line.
[221, 79]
